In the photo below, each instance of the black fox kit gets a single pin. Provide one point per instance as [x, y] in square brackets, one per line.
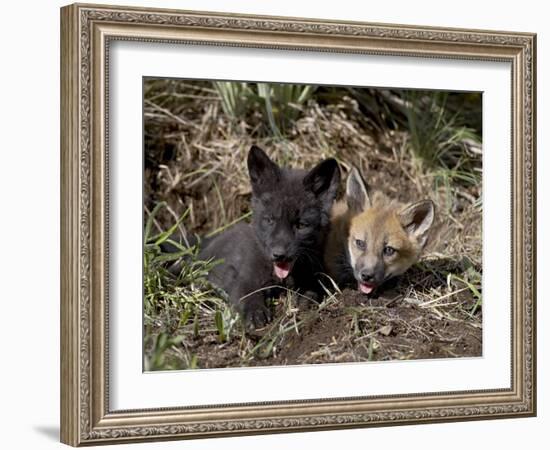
[283, 244]
[372, 238]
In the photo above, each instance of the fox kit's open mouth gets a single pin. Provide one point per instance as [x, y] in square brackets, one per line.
[282, 269]
[366, 288]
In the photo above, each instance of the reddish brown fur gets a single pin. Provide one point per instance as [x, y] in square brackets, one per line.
[380, 226]
[379, 222]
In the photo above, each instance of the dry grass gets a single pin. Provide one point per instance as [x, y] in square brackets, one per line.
[195, 162]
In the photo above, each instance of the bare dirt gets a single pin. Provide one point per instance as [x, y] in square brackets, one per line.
[355, 328]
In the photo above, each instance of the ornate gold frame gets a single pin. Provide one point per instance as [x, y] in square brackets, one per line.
[86, 31]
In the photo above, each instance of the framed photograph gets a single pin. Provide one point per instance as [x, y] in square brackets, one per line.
[278, 224]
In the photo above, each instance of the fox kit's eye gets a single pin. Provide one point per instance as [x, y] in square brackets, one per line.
[302, 225]
[268, 220]
[388, 251]
[361, 245]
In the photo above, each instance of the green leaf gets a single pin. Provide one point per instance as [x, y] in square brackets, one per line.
[159, 239]
[218, 319]
[150, 220]
[194, 363]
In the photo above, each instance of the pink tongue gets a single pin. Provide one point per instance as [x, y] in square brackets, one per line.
[366, 288]
[281, 270]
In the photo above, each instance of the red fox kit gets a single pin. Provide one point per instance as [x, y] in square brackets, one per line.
[372, 238]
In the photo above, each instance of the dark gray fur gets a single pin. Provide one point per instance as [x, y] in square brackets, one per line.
[281, 199]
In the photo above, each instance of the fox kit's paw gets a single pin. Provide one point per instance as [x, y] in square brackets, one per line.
[256, 313]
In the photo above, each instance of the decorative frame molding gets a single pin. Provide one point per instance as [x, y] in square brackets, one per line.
[86, 31]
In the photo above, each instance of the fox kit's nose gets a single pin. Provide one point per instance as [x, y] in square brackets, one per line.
[278, 253]
[366, 276]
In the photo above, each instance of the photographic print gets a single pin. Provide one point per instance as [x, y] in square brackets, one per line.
[336, 220]
[289, 224]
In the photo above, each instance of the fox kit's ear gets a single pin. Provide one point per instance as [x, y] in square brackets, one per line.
[264, 173]
[323, 180]
[417, 220]
[357, 196]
